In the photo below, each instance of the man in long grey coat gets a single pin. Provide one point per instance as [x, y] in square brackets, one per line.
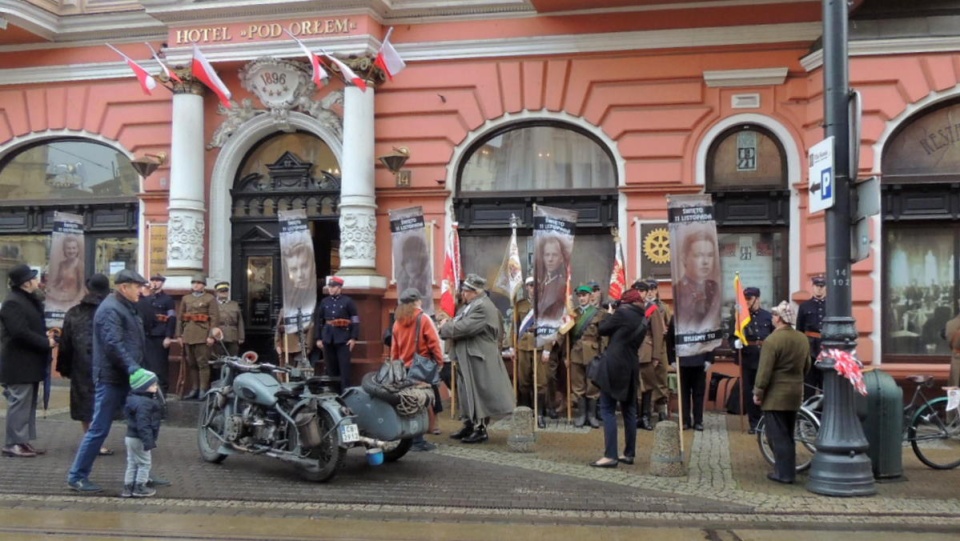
[784, 359]
[484, 388]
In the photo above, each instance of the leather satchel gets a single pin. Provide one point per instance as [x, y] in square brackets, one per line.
[423, 368]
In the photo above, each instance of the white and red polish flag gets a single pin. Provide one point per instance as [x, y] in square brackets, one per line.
[203, 71]
[147, 82]
[166, 71]
[618, 276]
[319, 74]
[348, 74]
[451, 274]
[388, 59]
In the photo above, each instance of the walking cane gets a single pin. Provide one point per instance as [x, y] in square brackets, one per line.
[453, 389]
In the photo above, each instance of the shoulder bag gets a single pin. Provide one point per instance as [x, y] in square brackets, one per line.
[423, 368]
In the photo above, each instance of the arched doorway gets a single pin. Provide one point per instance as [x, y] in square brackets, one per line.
[283, 171]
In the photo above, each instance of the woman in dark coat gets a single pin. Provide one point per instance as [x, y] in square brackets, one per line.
[75, 360]
[24, 359]
[619, 377]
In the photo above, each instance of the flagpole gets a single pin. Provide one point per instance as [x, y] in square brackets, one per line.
[536, 326]
[513, 302]
[569, 390]
[738, 332]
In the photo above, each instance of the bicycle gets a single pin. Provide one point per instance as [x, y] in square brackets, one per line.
[932, 430]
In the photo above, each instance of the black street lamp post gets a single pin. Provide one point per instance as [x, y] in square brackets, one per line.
[841, 466]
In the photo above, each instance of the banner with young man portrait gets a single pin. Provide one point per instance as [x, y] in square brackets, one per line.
[66, 283]
[695, 268]
[297, 263]
[411, 254]
[553, 233]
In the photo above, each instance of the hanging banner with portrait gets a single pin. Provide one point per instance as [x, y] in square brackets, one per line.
[66, 284]
[553, 233]
[298, 267]
[411, 255]
[695, 269]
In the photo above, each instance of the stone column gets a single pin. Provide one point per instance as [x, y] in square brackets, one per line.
[358, 220]
[187, 225]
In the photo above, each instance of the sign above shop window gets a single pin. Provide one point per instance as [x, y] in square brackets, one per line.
[232, 33]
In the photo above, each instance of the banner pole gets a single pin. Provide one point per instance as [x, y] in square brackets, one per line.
[680, 406]
[569, 384]
[536, 391]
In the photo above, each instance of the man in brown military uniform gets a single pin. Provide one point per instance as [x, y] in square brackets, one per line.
[661, 390]
[198, 317]
[653, 356]
[586, 344]
[231, 320]
[526, 347]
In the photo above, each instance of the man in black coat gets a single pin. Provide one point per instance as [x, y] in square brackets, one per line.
[339, 328]
[24, 359]
[159, 315]
[118, 345]
[759, 328]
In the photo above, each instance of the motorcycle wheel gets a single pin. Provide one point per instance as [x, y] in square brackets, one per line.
[329, 456]
[209, 425]
[395, 450]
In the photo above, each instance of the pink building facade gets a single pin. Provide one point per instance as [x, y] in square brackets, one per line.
[605, 107]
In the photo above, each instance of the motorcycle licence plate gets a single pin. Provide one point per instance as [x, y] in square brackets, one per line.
[349, 433]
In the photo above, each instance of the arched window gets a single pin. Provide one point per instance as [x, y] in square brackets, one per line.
[75, 175]
[67, 170]
[546, 163]
[920, 190]
[746, 172]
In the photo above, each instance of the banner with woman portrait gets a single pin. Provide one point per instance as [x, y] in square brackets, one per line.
[65, 285]
[412, 267]
[298, 267]
[695, 268]
[553, 233]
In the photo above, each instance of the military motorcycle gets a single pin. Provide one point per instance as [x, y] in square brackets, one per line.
[304, 423]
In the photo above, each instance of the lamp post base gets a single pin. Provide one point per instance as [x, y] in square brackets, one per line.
[849, 475]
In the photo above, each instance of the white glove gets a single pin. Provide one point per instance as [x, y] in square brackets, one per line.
[737, 344]
[706, 366]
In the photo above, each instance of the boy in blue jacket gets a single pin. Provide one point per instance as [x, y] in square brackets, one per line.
[143, 412]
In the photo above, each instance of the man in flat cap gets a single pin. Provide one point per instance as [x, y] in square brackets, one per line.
[159, 314]
[810, 322]
[483, 386]
[784, 359]
[198, 319]
[339, 326]
[118, 346]
[231, 319]
[756, 331]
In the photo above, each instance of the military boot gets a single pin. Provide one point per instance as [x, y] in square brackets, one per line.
[592, 413]
[581, 418]
[643, 421]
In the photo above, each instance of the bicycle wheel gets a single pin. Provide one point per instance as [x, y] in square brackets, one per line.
[935, 435]
[805, 436]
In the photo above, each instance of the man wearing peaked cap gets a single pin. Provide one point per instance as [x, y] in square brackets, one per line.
[198, 322]
[759, 328]
[525, 345]
[231, 320]
[159, 313]
[483, 386]
[661, 390]
[338, 323]
[810, 322]
[596, 294]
